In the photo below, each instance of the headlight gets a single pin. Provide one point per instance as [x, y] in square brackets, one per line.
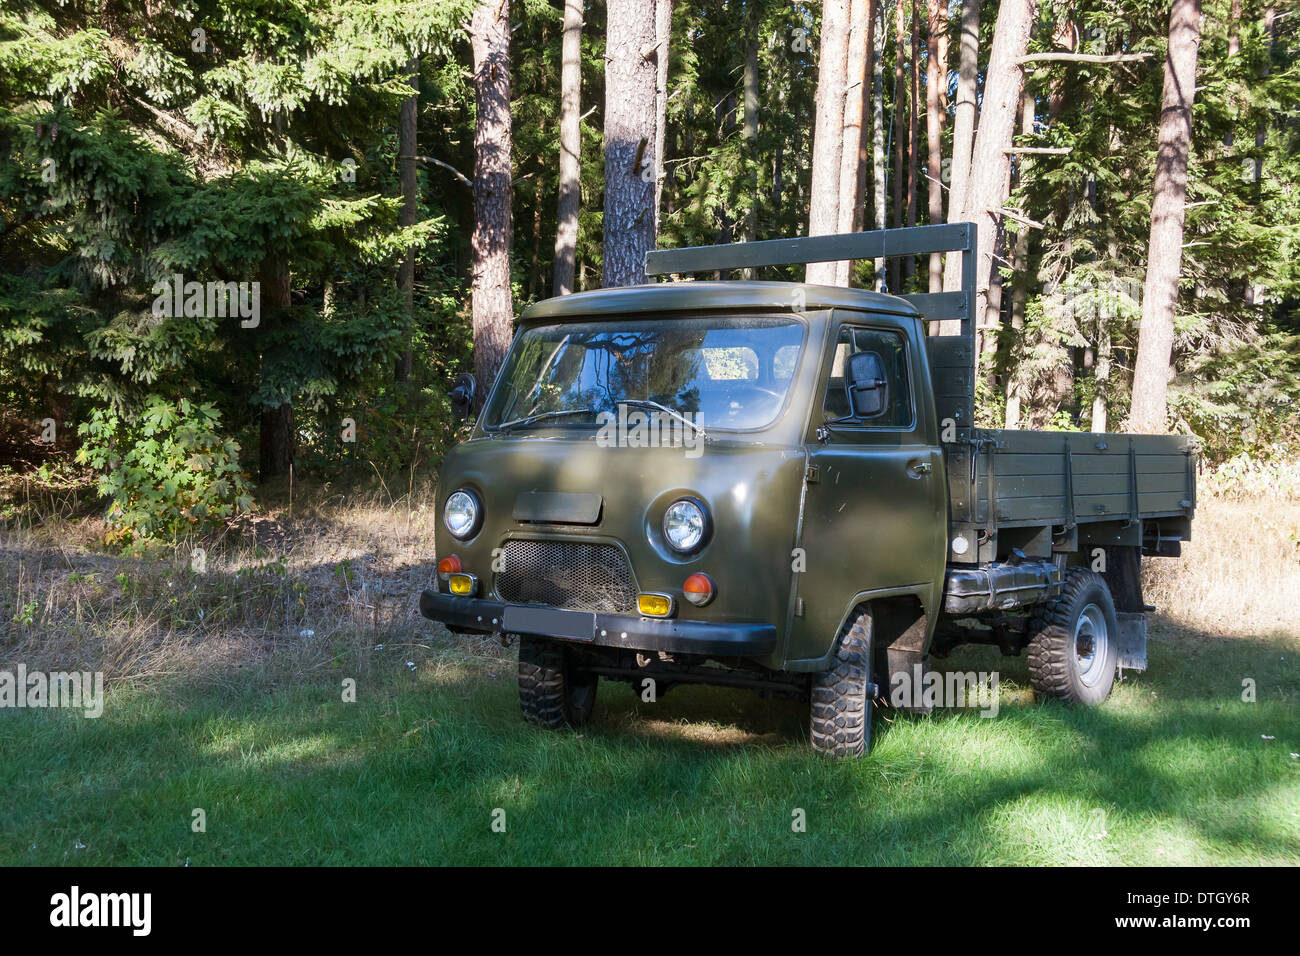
[462, 514]
[686, 524]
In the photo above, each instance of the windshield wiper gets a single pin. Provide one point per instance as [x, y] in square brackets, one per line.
[554, 413]
[649, 403]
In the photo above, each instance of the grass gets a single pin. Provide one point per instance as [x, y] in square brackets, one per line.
[243, 717]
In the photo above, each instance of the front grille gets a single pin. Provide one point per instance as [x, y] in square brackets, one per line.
[567, 574]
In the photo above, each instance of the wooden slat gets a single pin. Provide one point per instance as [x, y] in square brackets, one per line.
[1033, 486]
[1148, 482]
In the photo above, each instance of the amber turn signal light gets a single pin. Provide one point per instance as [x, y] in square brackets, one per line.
[654, 605]
[463, 585]
[698, 589]
[448, 566]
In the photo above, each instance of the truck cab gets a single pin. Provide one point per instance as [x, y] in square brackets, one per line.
[743, 483]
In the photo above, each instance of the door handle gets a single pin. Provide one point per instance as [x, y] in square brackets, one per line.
[918, 468]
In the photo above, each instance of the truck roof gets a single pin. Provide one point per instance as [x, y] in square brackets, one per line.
[708, 296]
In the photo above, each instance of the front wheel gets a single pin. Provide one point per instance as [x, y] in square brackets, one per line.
[553, 692]
[840, 711]
[1072, 650]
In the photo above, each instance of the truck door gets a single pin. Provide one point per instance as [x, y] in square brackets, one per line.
[875, 512]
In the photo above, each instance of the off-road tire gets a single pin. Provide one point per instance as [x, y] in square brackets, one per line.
[553, 693]
[840, 710]
[1059, 667]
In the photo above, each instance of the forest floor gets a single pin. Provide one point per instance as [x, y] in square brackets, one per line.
[225, 694]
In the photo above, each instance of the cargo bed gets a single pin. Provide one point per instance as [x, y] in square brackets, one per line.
[1055, 491]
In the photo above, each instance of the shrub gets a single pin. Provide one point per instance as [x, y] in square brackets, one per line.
[166, 472]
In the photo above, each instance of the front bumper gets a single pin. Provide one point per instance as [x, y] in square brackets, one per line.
[627, 631]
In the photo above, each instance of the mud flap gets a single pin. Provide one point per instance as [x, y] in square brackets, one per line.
[1131, 641]
[907, 670]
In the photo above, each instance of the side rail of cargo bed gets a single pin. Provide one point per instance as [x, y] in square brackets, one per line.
[1049, 492]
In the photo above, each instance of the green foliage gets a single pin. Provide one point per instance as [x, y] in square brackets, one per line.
[1241, 399]
[1243, 219]
[256, 141]
[166, 472]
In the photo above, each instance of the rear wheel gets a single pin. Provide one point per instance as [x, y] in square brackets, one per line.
[840, 711]
[1072, 650]
[553, 692]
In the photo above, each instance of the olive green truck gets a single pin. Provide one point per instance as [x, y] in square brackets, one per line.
[778, 486]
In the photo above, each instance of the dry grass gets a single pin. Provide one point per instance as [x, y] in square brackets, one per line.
[286, 592]
[291, 591]
[1239, 576]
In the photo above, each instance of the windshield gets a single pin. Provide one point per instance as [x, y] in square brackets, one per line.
[723, 372]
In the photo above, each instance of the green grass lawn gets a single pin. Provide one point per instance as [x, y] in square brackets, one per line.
[1174, 769]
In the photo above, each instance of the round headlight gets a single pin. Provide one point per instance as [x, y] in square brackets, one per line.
[685, 524]
[462, 513]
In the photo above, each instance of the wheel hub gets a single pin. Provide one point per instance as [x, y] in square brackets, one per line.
[1091, 645]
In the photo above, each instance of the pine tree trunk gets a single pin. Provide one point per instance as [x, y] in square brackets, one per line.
[879, 159]
[990, 173]
[535, 258]
[724, 117]
[566, 207]
[852, 171]
[823, 213]
[631, 138]
[277, 435]
[899, 109]
[987, 337]
[751, 127]
[1255, 292]
[936, 106]
[1101, 378]
[407, 148]
[663, 29]
[1020, 291]
[913, 130]
[1168, 208]
[869, 42]
[963, 136]
[491, 297]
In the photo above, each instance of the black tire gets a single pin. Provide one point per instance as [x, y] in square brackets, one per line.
[1072, 645]
[553, 693]
[840, 710]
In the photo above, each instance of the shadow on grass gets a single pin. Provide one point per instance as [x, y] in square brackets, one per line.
[417, 770]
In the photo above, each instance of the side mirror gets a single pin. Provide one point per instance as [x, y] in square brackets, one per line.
[867, 386]
[462, 396]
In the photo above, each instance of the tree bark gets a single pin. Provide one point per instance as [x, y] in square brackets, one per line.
[823, 212]
[491, 297]
[570, 193]
[936, 108]
[631, 138]
[913, 129]
[869, 41]
[277, 435]
[879, 160]
[852, 173]
[1168, 208]
[1020, 291]
[724, 117]
[990, 172]
[407, 150]
[1254, 291]
[663, 29]
[1101, 378]
[963, 135]
[899, 111]
[751, 127]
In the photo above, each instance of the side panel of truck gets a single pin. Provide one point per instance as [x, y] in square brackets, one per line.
[1034, 486]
